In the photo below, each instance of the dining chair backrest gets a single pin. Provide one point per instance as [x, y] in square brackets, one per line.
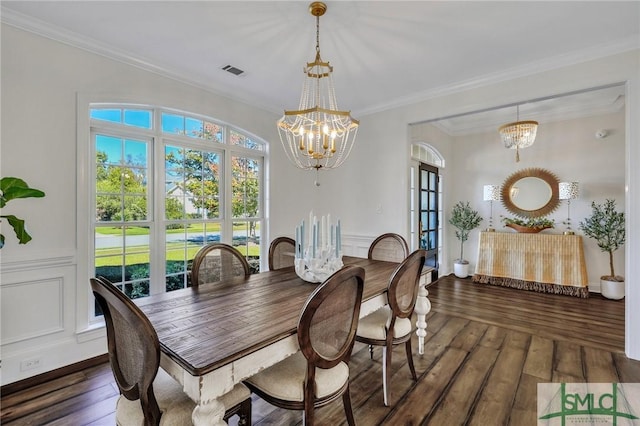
[134, 349]
[402, 291]
[281, 253]
[328, 321]
[390, 247]
[216, 262]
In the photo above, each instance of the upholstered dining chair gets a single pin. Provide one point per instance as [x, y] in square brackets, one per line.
[218, 261]
[391, 325]
[319, 373]
[281, 253]
[148, 395]
[390, 247]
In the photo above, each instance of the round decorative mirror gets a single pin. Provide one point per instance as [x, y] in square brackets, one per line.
[530, 193]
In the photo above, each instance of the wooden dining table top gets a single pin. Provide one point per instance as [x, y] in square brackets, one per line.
[206, 327]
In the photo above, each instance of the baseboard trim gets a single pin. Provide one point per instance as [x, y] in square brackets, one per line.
[53, 374]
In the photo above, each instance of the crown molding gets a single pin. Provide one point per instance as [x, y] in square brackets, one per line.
[52, 32]
[26, 23]
[70, 38]
[547, 64]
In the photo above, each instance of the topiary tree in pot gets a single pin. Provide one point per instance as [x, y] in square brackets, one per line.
[606, 226]
[464, 219]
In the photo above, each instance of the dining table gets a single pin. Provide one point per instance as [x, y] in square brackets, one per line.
[213, 336]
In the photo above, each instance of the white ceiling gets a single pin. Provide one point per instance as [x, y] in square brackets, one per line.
[384, 53]
[587, 103]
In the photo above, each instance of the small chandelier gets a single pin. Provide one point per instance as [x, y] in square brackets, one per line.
[317, 135]
[519, 134]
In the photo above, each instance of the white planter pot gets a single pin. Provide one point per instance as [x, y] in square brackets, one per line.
[461, 270]
[612, 289]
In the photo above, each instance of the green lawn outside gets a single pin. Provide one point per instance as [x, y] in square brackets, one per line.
[174, 250]
[138, 230]
[143, 257]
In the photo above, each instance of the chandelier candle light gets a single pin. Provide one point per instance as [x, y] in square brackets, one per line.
[318, 251]
[491, 193]
[519, 134]
[317, 135]
[568, 191]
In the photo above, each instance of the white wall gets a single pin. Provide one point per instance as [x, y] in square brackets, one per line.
[41, 83]
[567, 149]
[387, 168]
[382, 128]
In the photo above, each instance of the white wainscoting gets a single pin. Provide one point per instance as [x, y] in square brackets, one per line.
[38, 317]
[39, 303]
[356, 245]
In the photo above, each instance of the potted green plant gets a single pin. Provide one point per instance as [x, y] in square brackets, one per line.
[464, 219]
[530, 225]
[606, 226]
[10, 189]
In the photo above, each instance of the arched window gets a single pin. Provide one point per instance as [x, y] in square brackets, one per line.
[425, 153]
[164, 183]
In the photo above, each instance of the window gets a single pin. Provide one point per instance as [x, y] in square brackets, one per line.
[122, 211]
[426, 154]
[245, 187]
[165, 183]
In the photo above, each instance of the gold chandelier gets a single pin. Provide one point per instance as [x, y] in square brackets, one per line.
[317, 135]
[519, 134]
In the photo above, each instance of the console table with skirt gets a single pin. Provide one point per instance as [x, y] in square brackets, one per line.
[546, 263]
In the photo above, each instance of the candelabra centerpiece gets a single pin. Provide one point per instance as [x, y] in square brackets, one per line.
[318, 251]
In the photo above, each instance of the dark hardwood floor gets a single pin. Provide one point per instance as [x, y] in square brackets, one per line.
[486, 349]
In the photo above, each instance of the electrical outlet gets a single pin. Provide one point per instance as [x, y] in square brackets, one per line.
[30, 364]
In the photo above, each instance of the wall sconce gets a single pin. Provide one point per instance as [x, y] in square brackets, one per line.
[491, 193]
[568, 191]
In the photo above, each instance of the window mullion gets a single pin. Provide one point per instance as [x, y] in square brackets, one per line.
[227, 197]
[158, 225]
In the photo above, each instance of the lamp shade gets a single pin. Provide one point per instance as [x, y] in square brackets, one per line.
[491, 192]
[568, 190]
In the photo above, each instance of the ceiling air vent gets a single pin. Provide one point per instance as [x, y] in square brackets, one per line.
[233, 70]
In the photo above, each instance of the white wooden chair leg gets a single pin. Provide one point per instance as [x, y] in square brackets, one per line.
[386, 355]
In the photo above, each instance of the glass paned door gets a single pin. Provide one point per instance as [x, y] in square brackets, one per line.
[428, 214]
